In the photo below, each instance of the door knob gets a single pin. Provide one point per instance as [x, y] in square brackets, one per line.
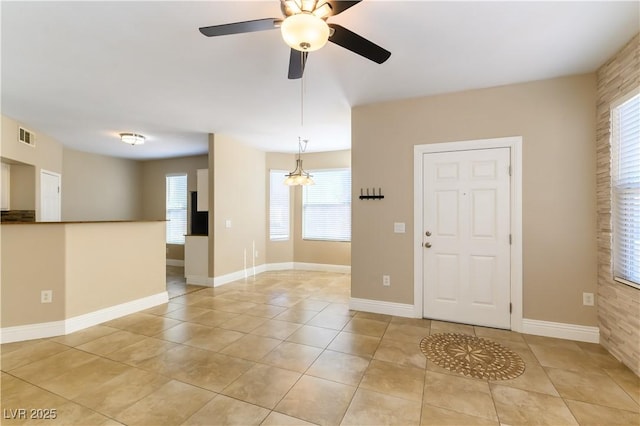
[427, 245]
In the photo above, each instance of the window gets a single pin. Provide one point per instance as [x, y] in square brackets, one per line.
[326, 206]
[278, 206]
[176, 208]
[625, 190]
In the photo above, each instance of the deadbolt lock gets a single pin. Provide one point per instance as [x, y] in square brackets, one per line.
[428, 233]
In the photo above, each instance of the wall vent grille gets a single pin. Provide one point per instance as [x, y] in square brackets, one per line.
[26, 136]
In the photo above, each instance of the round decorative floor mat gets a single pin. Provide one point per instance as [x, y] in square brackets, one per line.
[472, 356]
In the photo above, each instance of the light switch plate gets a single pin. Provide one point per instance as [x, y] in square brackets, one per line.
[399, 228]
[227, 223]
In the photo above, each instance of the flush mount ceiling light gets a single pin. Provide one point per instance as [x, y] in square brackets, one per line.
[132, 138]
[299, 176]
[305, 32]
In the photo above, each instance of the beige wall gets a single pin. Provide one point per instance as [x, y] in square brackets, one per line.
[23, 187]
[556, 119]
[154, 173]
[211, 242]
[239, 182]
[33, 259]
[86, 265]
[618, 304]
[279, 251]
[101, 271]
[153, 192]
[97, 187]
[46, 154]
[323, 252]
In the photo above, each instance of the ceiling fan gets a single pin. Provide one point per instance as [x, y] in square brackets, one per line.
[304, 29]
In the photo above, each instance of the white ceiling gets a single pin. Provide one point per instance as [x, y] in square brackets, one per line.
[82, 72]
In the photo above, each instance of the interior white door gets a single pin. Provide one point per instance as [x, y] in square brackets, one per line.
[466, 236]
[49, 196]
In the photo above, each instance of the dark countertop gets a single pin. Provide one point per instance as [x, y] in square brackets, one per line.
[81, 221]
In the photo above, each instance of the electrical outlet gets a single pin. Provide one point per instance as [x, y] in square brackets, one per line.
[46, 296]
[587, 299]
[386, 280]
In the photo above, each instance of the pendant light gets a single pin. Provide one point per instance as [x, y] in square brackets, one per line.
[299, 176]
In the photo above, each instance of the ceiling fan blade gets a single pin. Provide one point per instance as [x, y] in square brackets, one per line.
[241, 27]
[338, 6]
[297, 61]
[358, 44]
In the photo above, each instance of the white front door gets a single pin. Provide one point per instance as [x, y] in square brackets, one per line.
[466, 236]
[49, 196]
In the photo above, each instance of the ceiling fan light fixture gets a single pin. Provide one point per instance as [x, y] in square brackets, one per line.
[132, 138]
[308, 5]
[305, 32]
[323, 11]
[293, 6]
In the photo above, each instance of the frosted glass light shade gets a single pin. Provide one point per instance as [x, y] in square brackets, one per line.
[305, 32]
[132, 138]
[298, 176]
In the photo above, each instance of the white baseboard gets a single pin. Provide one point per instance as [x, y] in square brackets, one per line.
[249, 272]
[380, 307]
[280, 266]
[238, 275]
[580, 333]
[322, 267]
[199, 280]
[32, 331]
[175, 262]
[59, 328]
[107, 314]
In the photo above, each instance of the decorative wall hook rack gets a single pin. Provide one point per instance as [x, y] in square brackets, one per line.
[372, 196]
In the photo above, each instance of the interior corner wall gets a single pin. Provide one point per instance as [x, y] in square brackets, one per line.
[239, 179]
[556, 119]
[322, 252]
[618, 304]
[23, 187]
[46, 154]
[98, 187]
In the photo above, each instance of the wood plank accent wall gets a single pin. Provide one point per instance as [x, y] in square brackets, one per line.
[618, 304]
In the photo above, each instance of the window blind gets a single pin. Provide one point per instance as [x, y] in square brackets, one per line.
[278, 206]
[625, 190]
[326, 206]
[176, 205]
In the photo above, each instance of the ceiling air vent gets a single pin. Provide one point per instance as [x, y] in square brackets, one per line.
[26, 136]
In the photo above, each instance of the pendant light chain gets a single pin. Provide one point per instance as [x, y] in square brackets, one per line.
[302, 92]
[299, 176]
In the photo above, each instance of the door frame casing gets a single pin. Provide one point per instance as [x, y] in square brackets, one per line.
[59, 176]
[514, 143]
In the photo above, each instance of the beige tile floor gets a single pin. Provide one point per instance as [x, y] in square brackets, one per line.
[282, 349]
